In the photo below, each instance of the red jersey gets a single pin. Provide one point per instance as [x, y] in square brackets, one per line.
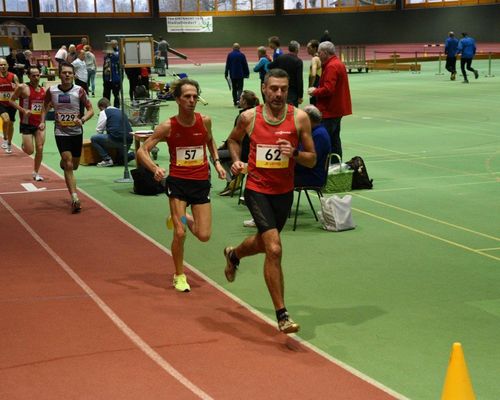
[7, 86]
[187, 148]
[33, 103]
[269, 171]
[333, 97]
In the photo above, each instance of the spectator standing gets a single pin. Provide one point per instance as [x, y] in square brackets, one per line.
[237, 70]
[315, 67]
[450, 49]
[333, 97]
[163, 50]
[111, 74]
[467, 49]
[261, 66]
[110, 133]
[81, 75]
[91, 64]
[294, 67]
[25, 41]
[81, 46]
[72, 54]
[134, 76]
[274, 44]
[61, 54]
[325, 37]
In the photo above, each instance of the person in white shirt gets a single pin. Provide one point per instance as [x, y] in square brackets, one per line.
[81, 75]
[61, 54]
[90, 61]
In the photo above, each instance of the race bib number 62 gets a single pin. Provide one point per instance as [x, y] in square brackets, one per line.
[270, 156]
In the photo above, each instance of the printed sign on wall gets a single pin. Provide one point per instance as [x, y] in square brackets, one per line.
[189, 24]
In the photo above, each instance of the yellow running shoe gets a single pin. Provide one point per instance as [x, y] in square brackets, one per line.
[180, 283]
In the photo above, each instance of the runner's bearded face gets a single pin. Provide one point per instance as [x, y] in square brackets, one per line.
[276, 92]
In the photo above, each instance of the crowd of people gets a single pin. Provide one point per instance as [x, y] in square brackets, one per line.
[274, 143]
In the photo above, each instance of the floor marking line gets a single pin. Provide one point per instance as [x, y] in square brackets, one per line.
[35, 191]
[427, 234]
[489, 249]
[429, 218]
[122, 326]
[252, 310]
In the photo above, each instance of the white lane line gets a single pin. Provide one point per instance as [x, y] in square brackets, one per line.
[41, 190]
[122, 326]
[31, 188]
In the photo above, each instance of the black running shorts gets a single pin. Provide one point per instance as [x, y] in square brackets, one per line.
[269, 211]
[189, 190]
[70, 143]
[9, 110]
[26, 129]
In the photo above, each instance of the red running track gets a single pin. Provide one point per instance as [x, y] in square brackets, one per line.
[88, 313]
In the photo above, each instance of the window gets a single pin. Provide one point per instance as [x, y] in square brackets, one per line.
[215, 7]
[15, 6]
[96, 7]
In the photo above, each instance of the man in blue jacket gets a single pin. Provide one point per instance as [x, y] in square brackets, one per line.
[236, 70]
[110, 121]
[467, 49]
[450, 49]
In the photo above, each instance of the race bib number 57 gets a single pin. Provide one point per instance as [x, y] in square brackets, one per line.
[270, 156]
[189, 156]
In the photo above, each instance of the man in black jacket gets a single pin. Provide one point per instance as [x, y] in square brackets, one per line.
[293, 65]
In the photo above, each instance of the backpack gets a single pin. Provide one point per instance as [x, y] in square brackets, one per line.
[141, 92]
[145, 183]
[360, 179]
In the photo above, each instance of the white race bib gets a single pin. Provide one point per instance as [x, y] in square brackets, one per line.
[270, 156]
[66, 119]
[36, 108]
[189, 156]
[5, 96]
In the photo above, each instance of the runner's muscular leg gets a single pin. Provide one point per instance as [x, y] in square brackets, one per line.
[177, 210]
[200, 224]
[67, 165]
[27, 146]
[39, 142]
[273, 273]
[8, 127]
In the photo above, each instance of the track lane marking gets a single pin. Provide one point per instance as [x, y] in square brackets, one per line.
[122, 326]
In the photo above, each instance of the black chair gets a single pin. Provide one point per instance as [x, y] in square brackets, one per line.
[306, 189]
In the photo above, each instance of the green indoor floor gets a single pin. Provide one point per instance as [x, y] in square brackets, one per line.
[421, 269]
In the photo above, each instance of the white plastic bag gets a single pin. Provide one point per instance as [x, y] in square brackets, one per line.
[336, 214]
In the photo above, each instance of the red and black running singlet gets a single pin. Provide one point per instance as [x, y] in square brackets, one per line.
[269, 171]
[33, 103]
[187, 148]
[7, 86]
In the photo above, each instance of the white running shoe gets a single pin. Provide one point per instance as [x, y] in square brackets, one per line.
[8, 150]
[37, 177]
[249, 223]
[105, 163]
[4, 144]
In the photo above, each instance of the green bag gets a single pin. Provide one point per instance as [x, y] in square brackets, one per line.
[339, 178]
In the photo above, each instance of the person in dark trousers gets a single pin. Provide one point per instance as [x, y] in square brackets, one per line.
[450, 49]
[294, 66]
[110, 132]
[111, 74]
[236, 70]
[467, 49]
[325, 37]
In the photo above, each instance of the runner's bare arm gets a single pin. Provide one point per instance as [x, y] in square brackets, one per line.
[88, 107]
[236, 137]
[160, 133]
[307, 156]
[212, 148]
[16, 95]
[47, 105]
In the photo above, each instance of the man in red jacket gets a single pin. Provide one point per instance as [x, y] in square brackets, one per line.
[333, 94]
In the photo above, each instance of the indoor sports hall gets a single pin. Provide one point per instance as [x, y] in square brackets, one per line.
[404, 306]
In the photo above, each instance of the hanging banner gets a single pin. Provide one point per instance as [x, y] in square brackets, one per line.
[189, 24]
